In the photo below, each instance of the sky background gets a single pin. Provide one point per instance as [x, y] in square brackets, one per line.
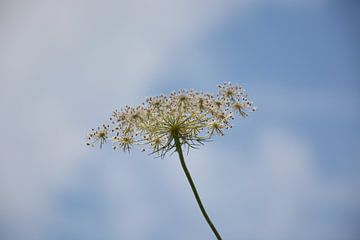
[290, 171]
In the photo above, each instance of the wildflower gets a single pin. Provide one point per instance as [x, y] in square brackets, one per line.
[216, 127]
[124, 142]
[192, 116]
[167, 123]
[99, 135]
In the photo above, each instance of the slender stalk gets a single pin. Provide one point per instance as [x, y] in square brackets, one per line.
[188, 176]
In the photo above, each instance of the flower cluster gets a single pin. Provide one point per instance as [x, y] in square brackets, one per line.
[190, 116]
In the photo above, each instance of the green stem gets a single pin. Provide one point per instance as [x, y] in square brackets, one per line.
[188, 176]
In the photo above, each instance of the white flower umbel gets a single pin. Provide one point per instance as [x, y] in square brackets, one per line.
[167, 123]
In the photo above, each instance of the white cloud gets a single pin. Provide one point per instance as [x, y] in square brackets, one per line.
[59, 59]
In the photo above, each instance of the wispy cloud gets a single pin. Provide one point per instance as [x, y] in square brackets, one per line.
[63, 62]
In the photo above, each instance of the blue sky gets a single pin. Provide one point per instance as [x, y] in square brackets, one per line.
[289, 171]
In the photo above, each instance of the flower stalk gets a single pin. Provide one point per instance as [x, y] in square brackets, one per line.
[193, 188]
[168, 123]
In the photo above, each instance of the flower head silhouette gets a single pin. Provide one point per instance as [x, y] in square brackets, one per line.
[167, 123]
[191, 116]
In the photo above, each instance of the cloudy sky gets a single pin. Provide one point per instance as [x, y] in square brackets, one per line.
[291, 171]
